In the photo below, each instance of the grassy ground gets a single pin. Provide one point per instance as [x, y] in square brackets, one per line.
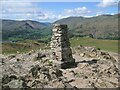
[22, 47]
[28, 45]
[109, 45]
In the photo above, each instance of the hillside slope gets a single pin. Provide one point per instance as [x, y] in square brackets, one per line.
[100, 27]
[104, 26]
[24, 29]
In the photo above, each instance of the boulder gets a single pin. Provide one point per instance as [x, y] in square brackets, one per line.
[40, 55]
[16, 84]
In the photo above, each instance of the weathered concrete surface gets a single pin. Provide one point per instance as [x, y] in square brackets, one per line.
[60, 46]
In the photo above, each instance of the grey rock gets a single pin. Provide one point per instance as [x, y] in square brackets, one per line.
[5, 79]
[16, 84]
[41, 55]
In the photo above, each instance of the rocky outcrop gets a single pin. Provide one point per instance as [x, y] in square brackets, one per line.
[27, 72]
[92, 52]
[24, 71]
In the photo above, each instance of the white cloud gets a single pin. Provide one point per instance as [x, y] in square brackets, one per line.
[29, 11]
[104, 13]
[62, 16]
[107, 3]
[81, 11]
[21, 7]
[77, 11]
[23, 11]
[44, 17]
[99, 13]
[88, 16]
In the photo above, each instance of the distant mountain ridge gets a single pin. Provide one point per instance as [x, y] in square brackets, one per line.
[103, 26]
[26, 29]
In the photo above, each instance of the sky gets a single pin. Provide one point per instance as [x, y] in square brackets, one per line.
[51, 10]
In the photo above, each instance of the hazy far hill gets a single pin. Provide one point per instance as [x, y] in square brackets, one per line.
[26, 29]
[104, 27]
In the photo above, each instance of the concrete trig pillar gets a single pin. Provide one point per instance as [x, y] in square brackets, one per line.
[60, 46]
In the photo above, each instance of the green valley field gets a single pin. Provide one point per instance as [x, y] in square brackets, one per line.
[21, 46]
[102, 29]
[108, 45]
[28, 45]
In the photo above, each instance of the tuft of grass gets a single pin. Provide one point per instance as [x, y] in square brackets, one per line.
[21, 47]
[108, 45]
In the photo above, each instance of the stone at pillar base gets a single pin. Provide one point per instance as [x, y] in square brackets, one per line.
[64, 65]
